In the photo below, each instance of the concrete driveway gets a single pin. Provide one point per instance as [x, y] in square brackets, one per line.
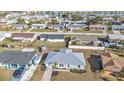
[47, 74]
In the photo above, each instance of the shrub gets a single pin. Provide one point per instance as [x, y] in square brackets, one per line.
[43, 67]
[74, 43]
[78, 71]
[55, 73]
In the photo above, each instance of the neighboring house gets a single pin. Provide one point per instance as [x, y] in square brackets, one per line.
[65, 59]
[115, 37]
[20, 26]
[98, 27]
[76, 26]
[4, 35]
[117, 27]
[4, 25]
[57, 26]
[38, 26]
[112, 62]
[12, 21]
[107, 19]
[52, 37]
[15, 59]
[86, 42]
[24, 37]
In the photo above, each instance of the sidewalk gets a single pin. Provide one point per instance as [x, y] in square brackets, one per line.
[47, 75]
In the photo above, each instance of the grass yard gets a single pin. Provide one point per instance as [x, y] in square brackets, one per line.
[50, 45]
[88, 76]
[90, 31]
[43, 30]
[5, 74]
[109, 32]
[122, 32]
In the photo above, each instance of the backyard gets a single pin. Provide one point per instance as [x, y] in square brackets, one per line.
[88, 76]
[51, 45]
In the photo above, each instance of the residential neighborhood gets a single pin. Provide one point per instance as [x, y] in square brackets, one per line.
[61, 46]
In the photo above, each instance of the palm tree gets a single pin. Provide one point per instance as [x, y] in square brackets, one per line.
[54, 65]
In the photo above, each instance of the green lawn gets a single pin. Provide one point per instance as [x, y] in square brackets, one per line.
[109, 32]
[90, 31]
[122, 32]
[1, 78]
[43, 30]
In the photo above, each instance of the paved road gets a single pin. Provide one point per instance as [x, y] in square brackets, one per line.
[65, 33]
[47, 75]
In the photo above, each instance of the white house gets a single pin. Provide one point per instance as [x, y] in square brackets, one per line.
[65, 59]
[4, 35]
[52, 37]
[98, 27]
[38, 26]
[24, 37]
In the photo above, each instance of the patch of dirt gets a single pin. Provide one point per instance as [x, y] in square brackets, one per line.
[38, 74]
[5, 74]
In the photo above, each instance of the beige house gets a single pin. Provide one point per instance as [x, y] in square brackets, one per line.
[98, 27]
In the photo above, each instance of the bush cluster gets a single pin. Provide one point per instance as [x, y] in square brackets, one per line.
[77, 71]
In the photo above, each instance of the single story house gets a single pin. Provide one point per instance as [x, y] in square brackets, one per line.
[24, 37]
[76, 26]
[38, 26]
[4, 35]
[15, 59]
[112, 62]
[20, 26]
[117, 27]
[52, 37]
[12, 21]
[98, 27]
[57, 26]
[86, 40]
[65, 59]
[115, 37]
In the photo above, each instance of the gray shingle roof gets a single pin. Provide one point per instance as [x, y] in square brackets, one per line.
[116, 36]
[117, 26]
[16, 57]
[52, 36]
[23, 35]
[87, 38]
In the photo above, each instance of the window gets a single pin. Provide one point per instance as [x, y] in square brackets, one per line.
[61, 65]
[78, 66]
[68, 65]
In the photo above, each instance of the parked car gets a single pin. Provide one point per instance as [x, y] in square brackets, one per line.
[18, 72]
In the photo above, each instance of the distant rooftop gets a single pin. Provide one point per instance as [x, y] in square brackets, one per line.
[87, 38]
[26, 35]
[116, 36]
[52, 36]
